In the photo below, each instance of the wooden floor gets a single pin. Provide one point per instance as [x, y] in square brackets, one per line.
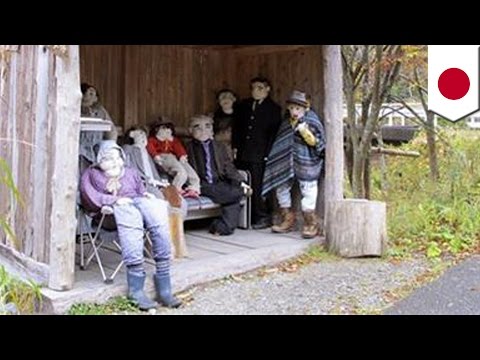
[210, 258]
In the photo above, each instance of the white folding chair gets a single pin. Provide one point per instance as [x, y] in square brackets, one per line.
[99, 238]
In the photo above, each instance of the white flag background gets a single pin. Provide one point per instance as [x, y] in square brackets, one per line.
[442, 58]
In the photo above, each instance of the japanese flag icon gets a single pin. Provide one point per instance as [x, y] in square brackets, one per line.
[453, 80]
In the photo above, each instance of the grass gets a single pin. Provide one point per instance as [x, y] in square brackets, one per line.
[25, 296]
[117, 306]
[434, 219]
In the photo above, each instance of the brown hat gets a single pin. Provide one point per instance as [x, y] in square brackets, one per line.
[299, 98]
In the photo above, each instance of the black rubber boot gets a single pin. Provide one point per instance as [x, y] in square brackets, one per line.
[164, 292]
[136, 282]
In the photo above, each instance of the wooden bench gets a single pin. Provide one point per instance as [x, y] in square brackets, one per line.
[203, 207]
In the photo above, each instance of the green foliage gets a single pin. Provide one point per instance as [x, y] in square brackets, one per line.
[120, 305]
[440, 218]
[25, 296]
[6, 179]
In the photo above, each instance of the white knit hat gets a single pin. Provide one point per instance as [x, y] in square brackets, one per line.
[105, 146]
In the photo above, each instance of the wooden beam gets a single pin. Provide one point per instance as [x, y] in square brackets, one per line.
[265, 49]
[395, 152]
[333, 102]
[64, 183]
[333, 122]
[23, 266]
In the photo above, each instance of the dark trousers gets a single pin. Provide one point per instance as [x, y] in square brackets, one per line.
[260, 210]
[229, 196]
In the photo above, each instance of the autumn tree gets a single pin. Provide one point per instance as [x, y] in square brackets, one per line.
[414, 77]
[369, 74]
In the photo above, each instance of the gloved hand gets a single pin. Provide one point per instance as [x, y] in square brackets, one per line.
[307, 135]
[159, 183]
[124, 201]
[158, 160]
[247, 189]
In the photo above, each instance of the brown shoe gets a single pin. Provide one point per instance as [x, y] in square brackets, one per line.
[288, 222]
[310, 225]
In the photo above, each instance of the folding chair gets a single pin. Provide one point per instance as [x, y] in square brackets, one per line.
[97, 236]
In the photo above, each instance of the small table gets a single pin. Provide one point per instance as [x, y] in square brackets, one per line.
[94, 124]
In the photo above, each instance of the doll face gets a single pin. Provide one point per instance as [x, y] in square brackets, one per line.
[226, 100]
[164, 134]
[202, 129]
[139, 138]
[90, 97]
[112, 163]
[296, 111]
[260, 90]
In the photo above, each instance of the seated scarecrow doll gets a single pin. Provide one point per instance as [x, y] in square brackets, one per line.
[110, 183]
[168, 152]
[220, 180]
[155, 178]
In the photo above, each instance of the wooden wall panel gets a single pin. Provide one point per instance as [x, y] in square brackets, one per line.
[25, 132]
[158, 80]
[139, 83]
[103, 67]
[287, 70]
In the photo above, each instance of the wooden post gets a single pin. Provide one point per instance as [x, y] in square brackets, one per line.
[334, 154]
[179, 245]
[64, 183]
[359, 228]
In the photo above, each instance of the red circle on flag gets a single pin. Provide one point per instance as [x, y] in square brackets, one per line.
[454, 83]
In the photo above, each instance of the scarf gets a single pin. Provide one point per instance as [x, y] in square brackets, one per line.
[113, 184]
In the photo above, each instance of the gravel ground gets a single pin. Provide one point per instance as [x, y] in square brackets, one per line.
[328, 287]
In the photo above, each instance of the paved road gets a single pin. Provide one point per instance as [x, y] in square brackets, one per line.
[457, 292]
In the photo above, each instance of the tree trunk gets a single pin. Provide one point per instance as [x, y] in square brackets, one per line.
[432, 146]
[357, 176]
[383, 163]
[334, 153]
[366, 177]
[359, 228]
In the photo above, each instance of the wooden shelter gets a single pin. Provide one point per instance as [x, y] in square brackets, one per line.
[40, 124]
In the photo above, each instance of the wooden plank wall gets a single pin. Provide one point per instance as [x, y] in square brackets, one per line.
[287, 70]
[103, 67]
[138, 83]
[171, 81]
[25, 133]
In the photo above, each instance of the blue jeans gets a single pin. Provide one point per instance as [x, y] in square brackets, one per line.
[133, 219]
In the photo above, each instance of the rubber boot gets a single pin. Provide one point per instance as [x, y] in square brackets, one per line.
[136, 281]
[163, 288]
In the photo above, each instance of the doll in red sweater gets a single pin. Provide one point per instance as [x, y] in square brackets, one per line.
[168, 152]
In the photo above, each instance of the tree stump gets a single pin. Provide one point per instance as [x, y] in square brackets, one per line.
[357, 228]
[179, 245]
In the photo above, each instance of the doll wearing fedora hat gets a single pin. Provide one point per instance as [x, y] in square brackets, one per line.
[297, 154]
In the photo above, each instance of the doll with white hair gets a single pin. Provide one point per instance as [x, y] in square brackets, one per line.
[219, 178]
[110, 183]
